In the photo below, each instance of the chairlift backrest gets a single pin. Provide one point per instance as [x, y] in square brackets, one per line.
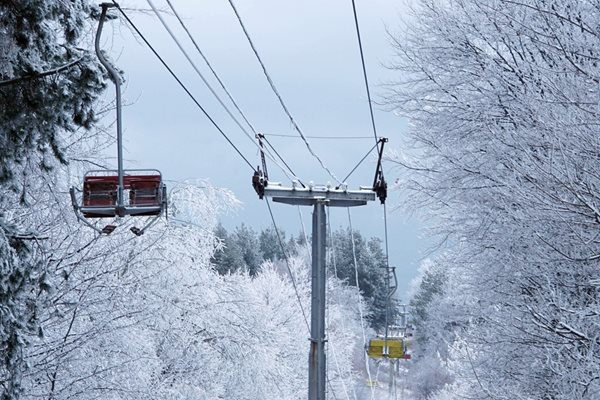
[101, 188]
[144, 190]
[99, 191]
[391, 348]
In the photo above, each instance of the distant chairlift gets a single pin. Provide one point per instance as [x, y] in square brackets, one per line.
[392, 347]
[393, 344]
[119, 193]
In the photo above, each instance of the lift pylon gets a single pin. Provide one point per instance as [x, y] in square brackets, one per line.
[318, 197]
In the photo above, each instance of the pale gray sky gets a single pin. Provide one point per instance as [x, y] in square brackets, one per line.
[310, 49]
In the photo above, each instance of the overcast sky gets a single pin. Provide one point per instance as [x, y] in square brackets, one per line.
[310, 49]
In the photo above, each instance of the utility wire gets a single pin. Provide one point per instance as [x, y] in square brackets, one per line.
[360, 162]
[187, 56]
[182, 85]
[308, 251]
[335, 278]
[387, 266]
[285, 108]
[364, 68]
[282, 159]
[304, 235]
[193, 64]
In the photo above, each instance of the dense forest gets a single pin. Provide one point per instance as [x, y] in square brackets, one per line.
[504, 99]
[245, 250]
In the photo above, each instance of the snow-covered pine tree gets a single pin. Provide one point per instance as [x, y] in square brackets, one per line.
[48, 85]
[39, 37]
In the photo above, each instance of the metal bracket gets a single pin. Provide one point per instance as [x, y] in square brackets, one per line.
[379, 183]
[259, 183]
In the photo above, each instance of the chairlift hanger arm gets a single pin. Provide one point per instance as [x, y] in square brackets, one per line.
[114, 76]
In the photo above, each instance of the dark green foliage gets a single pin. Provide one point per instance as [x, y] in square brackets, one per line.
[229, 257]
[371, 263]
[243, 249]
[38, 36]
[270, 248]
[431, 286]
[240, 251]
[17, 309]
[247, 242]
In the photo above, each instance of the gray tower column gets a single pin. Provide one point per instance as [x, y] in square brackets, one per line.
[316, 358]
[318, 197]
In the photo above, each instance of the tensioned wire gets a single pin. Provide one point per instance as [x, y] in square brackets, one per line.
[206, 83]
[278, 95]
[237, 107]
[281, 158]
[344, 326]
[318, 137]
[285, 255]
[287, 263]
[309, 253]
[210, 66]
[364, 68]
[192, 97]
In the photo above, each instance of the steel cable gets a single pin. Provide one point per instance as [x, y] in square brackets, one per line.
[163, 62]
[278, 95]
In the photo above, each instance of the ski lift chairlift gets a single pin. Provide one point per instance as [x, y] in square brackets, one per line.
[143, 193]
[104, 191]
[379, 347]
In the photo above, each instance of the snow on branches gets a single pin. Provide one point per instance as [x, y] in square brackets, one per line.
[504, 99]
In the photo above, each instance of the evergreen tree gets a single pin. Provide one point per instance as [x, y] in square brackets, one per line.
[16, 313]
[37, 37]
[431, 287]
[247, 242]
[48, 86]
[228, 258]
[270, 248]
[371, 267]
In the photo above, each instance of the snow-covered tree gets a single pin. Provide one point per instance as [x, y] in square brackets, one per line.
[48, 82]
[503, 97]
[48, 86]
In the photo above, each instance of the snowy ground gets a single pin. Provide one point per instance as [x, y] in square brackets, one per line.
[381, 385]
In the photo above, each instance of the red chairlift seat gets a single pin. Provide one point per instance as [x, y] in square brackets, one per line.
[147, 194]
[99, 196]
[144, 193]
